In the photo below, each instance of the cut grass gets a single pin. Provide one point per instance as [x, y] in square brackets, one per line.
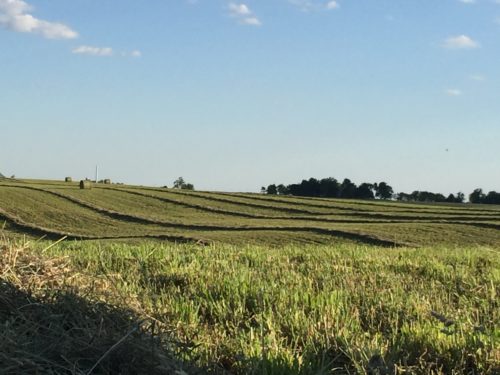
[297, 309]
[114, 212]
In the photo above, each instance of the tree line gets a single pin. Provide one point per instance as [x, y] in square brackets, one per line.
[332, 188]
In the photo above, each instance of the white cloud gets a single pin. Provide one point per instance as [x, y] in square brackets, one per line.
[315, 5]
[239, 9]
[467, 1]
[244, 15]
[104, 52]
[93, 51]
[453, 92]
[253, 21]
[332, 5]
[460, 42]
[14, 16]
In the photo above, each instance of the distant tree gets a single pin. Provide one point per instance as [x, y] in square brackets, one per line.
[272, 190]
[492, 198]
[476, 196]
[181, 184]
[348, 189]
[365, 191]
[329, 187]
[263, 190]
[383, 190]
[460, 198]
[403, 197]
[282, 189]
[295, 189]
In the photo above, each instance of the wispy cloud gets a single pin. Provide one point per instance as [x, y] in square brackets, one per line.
[244, 15]
[93, 51]
[104, 52]
[16, 15]
[478, 77]
[315, 5]
[453, 92]
[332, 5]
[469, 2]
[136, 53]
[460, 42]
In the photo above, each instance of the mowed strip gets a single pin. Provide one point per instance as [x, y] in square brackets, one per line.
[42, 210]
[155, 212]
[134, 226]
[289, 208]
[358, 206]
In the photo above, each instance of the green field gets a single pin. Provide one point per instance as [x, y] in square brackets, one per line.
[161, 281]
[124, 212]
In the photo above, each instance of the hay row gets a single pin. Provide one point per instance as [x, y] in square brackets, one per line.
[52, 234]
[368, 239]
[367, 214]
[332, 204]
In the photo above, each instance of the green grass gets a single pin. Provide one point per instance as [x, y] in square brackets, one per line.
[276, 285]
[302, 309]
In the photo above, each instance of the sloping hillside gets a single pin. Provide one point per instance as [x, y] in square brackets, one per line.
[122, 212]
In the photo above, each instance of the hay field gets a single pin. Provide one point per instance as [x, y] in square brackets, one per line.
[115, 212]
[162, 281]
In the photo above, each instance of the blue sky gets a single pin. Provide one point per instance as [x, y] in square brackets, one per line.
[235, 95]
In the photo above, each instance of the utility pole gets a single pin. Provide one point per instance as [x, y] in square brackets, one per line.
[96, 173]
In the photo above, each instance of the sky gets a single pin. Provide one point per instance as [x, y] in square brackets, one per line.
[234, 95]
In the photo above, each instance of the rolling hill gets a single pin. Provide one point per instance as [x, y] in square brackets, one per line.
[124, 212]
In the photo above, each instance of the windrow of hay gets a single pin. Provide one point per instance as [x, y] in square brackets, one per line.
[54, 320]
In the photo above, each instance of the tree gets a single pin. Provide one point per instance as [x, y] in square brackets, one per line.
[181, 184]
[476, 196]
[492, 198]
[329, 187]
[178, 183]
[282, 189]
[348, 189]
[383, 190]
[365, 191]
[272, 190]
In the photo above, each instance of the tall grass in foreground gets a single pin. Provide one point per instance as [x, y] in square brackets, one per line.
[306, 310]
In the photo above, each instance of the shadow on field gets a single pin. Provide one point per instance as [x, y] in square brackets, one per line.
[66, 334]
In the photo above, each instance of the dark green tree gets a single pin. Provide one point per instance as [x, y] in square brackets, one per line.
[348, 189]
[282, 189]
[272, 189]
[476, 196]
[383, 190]
[181, 184]
[365, 191]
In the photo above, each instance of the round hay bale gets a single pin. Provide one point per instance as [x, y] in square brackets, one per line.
[107, 181]
[84, 184]
[68, 179]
